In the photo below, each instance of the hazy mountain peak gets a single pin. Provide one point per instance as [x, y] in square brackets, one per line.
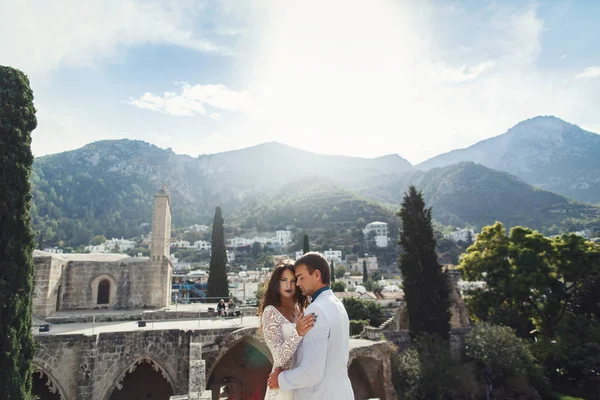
[545, 151]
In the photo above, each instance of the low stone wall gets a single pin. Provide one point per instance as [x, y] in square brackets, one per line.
[148, 315]
[403, 340]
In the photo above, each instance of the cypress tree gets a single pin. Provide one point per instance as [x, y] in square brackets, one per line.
[426, 286]
[17, 120]
[306, 247]
[217, 285]
[332, 272]
[365, 272]
[41, 241]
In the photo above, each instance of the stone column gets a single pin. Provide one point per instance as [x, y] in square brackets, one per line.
[86, 373]
[197, 374]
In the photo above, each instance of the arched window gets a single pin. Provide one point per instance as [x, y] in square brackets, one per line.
[103, 292]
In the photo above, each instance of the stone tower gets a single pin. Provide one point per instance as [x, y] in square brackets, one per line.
[161, 226]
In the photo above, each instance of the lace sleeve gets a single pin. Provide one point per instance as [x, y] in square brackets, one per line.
[282, 350]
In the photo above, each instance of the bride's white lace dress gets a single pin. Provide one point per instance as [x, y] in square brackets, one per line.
[283, 340]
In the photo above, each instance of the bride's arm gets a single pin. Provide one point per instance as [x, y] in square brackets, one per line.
[282, 349]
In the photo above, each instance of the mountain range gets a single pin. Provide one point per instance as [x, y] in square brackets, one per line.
[545, 152]
[525, 176]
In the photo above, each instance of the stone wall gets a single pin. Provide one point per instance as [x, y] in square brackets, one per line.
[47, 288]
[140, 284]
[90, 367]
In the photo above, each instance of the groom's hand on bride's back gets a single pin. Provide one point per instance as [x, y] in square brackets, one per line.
[305, 323]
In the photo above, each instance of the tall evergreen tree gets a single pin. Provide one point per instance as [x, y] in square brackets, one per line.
[365, 272]
[217, 285]
[41, 241]
[332, 274]
[426, 286]
[305, 247]
[17, 120]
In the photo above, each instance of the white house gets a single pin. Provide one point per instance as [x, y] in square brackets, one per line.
[239, 242]
[230, 256]
[202, 245]
[180, 244]
[283, 237]
[586, 233]
[298, 254]
[198, 228]
[380, 229]
[356, 265]
[461, 235]
[96, 249]
[53, 250]
[123, 244]
[333, 255]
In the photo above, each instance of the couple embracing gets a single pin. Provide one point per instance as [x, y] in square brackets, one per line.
[309, 339]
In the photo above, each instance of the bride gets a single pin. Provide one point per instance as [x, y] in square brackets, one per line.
[282, 321]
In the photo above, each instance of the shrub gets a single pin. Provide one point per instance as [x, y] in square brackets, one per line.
[428, 371]
[356, 327]
[358, 309]
[338, 286]
[500, 354]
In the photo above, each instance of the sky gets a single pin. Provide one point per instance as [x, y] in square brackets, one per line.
[353, 77]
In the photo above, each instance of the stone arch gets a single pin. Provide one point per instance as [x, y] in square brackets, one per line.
[241, 366]
[132, 367]
[364, 372]
[51, 383]
[112, 290]
[250, 335]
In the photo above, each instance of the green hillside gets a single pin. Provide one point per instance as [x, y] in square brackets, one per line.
[471, 194]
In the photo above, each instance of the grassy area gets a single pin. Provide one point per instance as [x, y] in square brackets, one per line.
[565, 397]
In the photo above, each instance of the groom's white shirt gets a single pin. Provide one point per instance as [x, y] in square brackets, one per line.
[321, 370]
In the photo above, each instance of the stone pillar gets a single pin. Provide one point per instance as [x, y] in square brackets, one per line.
[161, 226]
[197, 374]
[388, 386]
[86, 373]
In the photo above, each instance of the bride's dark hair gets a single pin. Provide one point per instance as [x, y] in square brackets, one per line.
[272, 297]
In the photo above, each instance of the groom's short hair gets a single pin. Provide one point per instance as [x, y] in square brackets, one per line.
[314, 261]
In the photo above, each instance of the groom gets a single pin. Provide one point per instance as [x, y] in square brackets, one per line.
[321, 370]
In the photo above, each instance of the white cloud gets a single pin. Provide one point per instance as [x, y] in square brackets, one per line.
[591, 72]
[40, 36]
[193, 100]
[463, 73]
[408, 77]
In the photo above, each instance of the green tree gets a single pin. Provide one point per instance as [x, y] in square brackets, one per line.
[338, 286]
[17, 121]
[332, 273]
[500, 354]
[41, 241]
[359, 309]
[365, 272]
[426, 287]
[217, 285]
[531, 281]
[429, 371]
[340, 271]
[306, 246]
[371, 242]
[98, 240]
[265, 260]
[255, 249]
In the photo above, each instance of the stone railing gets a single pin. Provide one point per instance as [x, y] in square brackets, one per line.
[374, 333]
